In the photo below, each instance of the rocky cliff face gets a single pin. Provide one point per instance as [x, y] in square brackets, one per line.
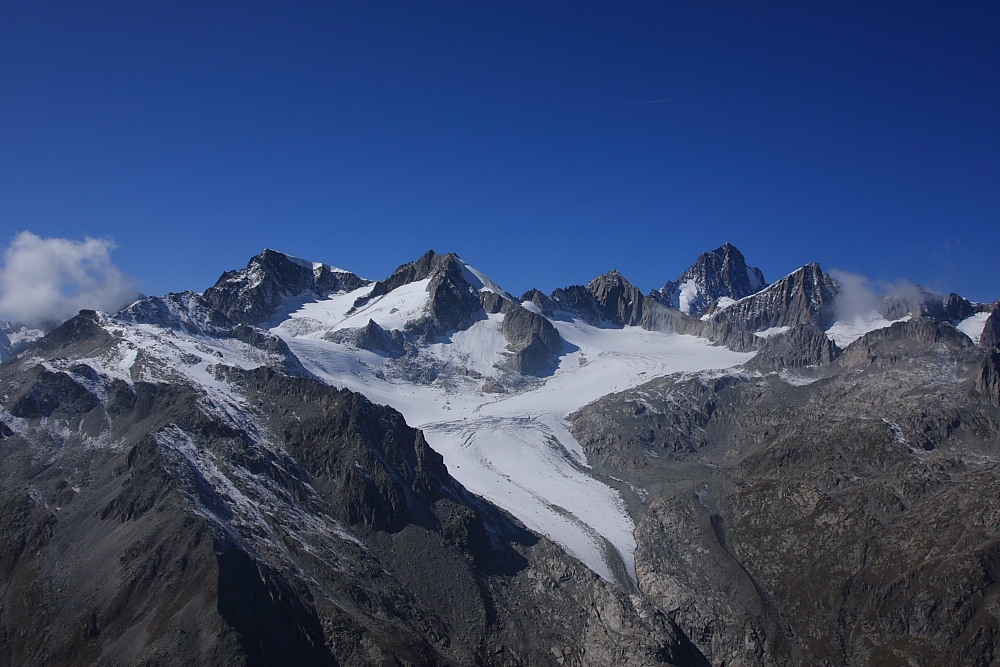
[990, 337]
[607, 300]
[803, 297]
[618, 301]
[801, 346]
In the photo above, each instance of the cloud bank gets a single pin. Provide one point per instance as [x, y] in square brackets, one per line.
[859, 296]
[48, 280]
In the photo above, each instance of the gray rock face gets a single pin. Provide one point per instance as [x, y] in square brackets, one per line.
[575, 300]
[532, 339]
[619, 301]
[803, 297]
[891, 345]
[957, 308]
[802, 345]
[722, 272]
[988, 382]
[990, 337]
[608, 300]
[372, 337]
[830, 504]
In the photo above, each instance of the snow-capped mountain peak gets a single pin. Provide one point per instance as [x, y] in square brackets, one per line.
[721, 273]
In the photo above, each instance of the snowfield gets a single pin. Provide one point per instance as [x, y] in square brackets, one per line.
[503, 436]
[973, 326]
[513, 448]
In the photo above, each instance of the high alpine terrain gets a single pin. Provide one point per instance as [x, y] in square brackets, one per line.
[303, 466]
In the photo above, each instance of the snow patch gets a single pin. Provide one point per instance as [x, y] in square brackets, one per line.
[973, 326]
[480, 281]
[845, 332]
[755, 282]
[794, 379]
[773, 331]
[479, 348]
[530, 305]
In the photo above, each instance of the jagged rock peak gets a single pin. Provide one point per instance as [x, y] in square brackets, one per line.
[720, 274]
[612, 276]
[620, 302]
[253, 294]
[805, 296]
[448, 267]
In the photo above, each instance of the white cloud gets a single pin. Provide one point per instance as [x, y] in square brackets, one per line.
[857, 296]
[49, 280]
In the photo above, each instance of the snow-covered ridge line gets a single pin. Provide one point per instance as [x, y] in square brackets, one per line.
[312, 266]
[845, 332]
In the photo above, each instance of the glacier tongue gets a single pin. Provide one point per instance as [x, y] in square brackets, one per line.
[514, 447]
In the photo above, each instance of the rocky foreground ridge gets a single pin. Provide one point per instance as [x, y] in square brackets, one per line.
[189, 482]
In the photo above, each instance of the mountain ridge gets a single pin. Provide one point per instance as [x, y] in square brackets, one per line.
[427, 470]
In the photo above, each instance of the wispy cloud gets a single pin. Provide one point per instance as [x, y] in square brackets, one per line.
[48, 280]
[858, 295]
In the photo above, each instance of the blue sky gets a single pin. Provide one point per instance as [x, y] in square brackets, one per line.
[545, 142]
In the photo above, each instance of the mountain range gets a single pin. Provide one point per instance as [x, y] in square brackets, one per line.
[299, 465]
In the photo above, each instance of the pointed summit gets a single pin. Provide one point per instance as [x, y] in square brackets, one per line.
[619, 300]
[453, 289]
[721, 273]
[252, 295]
[607, 300]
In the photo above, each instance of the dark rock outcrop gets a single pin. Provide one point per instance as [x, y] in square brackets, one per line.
[254, 294]
[371, 337]
[990, 337]
[619, 301]
[532, 339]
[891, 345]
[988, 380]
[802, 345]
[958, 308]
